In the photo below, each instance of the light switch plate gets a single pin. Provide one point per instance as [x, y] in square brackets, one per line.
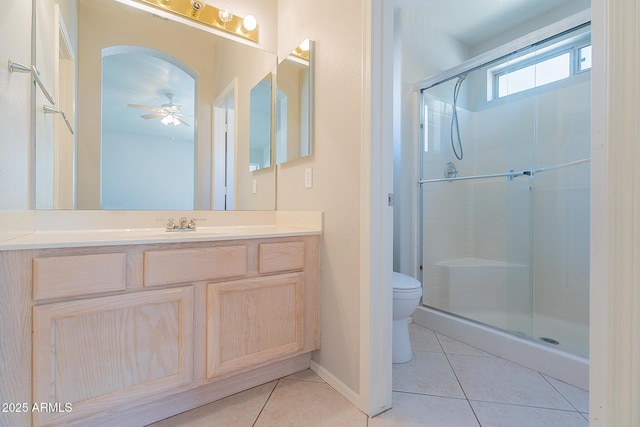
[308, 177]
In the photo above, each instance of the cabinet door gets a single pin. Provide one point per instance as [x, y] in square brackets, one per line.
[253, 321]
[106, 353]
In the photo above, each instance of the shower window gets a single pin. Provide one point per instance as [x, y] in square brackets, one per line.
[584, 58]
[529, 71]
[539, 74]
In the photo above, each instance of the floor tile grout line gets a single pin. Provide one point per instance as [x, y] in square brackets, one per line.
[265, 402]
[560, 392]
[521, 405]
[546, 378]
[506, 403]
[487, 356]
[458, 379]
[415, 393]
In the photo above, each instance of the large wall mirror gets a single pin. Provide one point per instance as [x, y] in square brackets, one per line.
[294, 104]
[160, 112]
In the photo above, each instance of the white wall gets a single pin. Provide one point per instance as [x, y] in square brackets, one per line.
[336, 164]
[15, 108]
[146, 172]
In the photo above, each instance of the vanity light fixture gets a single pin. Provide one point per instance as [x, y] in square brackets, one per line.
[218, 18]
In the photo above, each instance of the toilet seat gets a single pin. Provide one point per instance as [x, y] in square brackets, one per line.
[404, 283]
[406, 287]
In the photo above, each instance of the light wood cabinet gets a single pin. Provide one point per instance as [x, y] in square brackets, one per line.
[66, 276]
[130, 334]
[104, 352]
[163, 267]
[253, 321]
[280, 256]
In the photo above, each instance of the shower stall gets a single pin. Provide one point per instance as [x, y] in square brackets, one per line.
[505, 186]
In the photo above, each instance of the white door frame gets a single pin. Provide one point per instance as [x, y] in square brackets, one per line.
[376, 230]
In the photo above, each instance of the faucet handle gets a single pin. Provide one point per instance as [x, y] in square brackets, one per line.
[170, 223]
[192, 222]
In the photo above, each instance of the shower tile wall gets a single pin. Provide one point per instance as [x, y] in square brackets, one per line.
[541, 222]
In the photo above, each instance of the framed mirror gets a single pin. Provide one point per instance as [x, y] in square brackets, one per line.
[293, 104]
[144, 96]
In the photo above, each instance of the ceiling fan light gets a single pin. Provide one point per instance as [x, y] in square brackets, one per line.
[167, 119]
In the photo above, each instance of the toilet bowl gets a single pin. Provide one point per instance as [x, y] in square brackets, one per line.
[406, 296]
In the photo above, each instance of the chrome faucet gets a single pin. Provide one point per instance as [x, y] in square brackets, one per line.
[182, 225]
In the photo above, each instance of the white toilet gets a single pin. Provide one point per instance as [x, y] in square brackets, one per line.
[406, 296]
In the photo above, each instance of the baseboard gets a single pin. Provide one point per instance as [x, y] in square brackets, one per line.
[167, 406]
[336, 384]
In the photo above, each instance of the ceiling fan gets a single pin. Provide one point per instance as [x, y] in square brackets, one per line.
[170, 112]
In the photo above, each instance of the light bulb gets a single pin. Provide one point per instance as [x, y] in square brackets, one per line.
[249, 23]
[166, 120]
[225, 15]
[196, 7]
[304, 46]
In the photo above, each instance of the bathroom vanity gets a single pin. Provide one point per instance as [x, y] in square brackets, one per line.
[134, 326]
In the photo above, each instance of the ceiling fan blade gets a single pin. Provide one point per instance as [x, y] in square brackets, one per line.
[143, 107]
[152, 115]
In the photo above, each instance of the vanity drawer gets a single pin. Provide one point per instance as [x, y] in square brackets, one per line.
[65, 276]
[281, 256]
[191, 265]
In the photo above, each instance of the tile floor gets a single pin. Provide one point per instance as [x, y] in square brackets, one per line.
[447, 384]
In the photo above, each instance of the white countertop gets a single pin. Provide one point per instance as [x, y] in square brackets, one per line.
[284, 225]
[75, 238]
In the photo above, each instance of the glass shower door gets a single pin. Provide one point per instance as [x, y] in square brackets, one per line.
[505, 193]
